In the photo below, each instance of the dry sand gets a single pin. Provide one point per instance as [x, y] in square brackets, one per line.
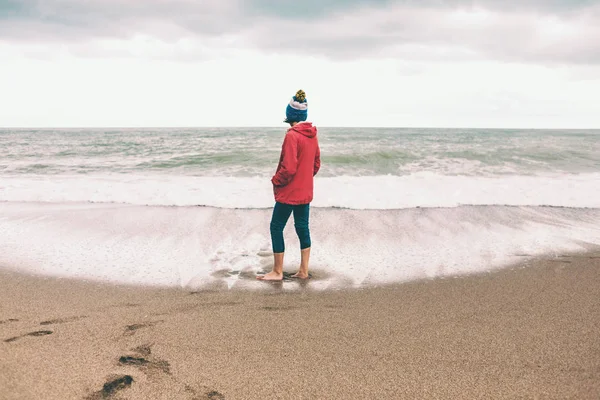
[524, 332]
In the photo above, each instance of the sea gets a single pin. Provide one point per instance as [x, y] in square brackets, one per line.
[190, 207]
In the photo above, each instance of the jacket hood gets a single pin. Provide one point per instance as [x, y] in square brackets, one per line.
[305, 128]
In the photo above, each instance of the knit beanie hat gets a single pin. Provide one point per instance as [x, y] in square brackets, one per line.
[297, 110]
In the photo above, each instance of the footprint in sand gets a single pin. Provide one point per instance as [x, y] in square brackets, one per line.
[131, 329]
[145, 363]
[214, 395]
[141, 357]
[36, 333]
[280, 308]
[62, 320]
[113, 385]
[203, 394]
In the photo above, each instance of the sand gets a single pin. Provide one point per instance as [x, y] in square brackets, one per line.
[530, 331]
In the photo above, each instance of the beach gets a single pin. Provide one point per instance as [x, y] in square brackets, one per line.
[527, 331]
[446, 264]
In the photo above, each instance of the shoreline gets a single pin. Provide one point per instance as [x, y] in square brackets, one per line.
[213, 284]
[530, 331]
[179, 247]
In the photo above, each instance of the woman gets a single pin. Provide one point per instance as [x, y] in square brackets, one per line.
[299, 162]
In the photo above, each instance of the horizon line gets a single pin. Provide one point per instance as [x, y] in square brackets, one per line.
[285, 127]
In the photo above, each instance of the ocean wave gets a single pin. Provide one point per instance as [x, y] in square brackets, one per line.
[243, 152]
[202, 247]
[424, 189]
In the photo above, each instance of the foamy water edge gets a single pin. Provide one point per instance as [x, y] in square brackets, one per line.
[203, 247]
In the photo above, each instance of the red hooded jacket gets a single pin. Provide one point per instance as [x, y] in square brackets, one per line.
[299, 162]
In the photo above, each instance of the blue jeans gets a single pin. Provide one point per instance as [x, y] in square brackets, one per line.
[281, 214]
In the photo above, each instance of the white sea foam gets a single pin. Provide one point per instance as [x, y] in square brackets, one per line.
[424, 189]
[49, 178]
[186, 246]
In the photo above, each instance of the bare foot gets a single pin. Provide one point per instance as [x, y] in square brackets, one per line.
[300, 275]
[271, 276]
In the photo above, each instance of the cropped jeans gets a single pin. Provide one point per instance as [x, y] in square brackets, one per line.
[281, 214]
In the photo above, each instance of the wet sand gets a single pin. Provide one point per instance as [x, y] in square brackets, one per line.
[531, 331]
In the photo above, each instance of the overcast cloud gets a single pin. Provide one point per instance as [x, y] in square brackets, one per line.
[454, 63]
[527, 31]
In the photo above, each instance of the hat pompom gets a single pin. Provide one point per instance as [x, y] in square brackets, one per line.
[300, 96]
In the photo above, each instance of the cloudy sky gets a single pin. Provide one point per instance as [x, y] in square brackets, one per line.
[426, 63]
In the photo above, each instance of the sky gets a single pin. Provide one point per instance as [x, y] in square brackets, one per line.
[409, 63]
